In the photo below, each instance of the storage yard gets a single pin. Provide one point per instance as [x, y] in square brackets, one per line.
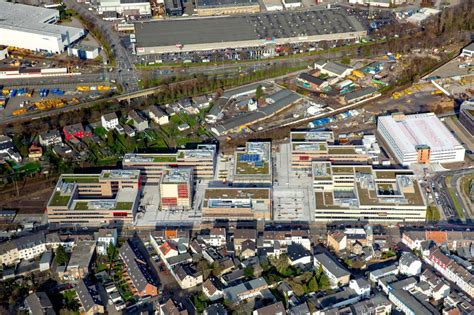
[245, 31]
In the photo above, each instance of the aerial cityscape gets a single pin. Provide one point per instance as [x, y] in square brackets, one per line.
[261, 157]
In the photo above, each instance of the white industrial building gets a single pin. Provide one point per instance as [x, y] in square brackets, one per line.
[125, 7]
[34, 28]
[419, 138]
[83, 52]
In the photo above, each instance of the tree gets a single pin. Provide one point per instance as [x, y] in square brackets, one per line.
[313, 285]
[62, 257]
[259, 92]
[248, 272]
[323, 282]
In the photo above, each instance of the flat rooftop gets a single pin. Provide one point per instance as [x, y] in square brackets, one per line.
[419, 129]
[204, 4]
[32, 19]
[288, 24]
[369, 187]
[175, 176]
[237, 193]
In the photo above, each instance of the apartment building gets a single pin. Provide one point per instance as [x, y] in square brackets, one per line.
[451, 270]
[202, 160]
[176, 189]
[237, 203]
[253, 164]
[308, 146]
[108, 198]
[360, 192]
[80, 261]
[337, 274]
[138, 275]
[419, 138]
[26, 248]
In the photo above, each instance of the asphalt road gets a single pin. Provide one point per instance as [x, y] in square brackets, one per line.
[445, 199]
[125, 71]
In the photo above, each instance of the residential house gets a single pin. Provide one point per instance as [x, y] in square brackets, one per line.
[49, 138]
[337, 274]
[139, 123]
[35, 152]
[139, 276]
[337, 240]
[187, 105]
[183, 127]
[247, 290]
[273, 309]
[310, 82]
[217, 237]
[157, 115]
[89, 298]
[233, 277]
[409, 264]
[242, 235]
[172, 308]
[109, 121]
[22, 248]
[298, 255]
[45, 261]
[201, 102]
[187, 276]
[212, 289]
[8, 150]
[451, 270]
[215, 309]
[377, 304]
[333, 69]
[76, 131]
[249, 249]
[104, 238]
[375, 275]
[80, 261]
[38, 303]
[436, 287]
[129, 131]
[167, 250]
[361, 287]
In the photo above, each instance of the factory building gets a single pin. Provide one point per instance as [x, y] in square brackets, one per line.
[34, 28]
[362, 193]
[125, 7]
[152, 166]
[243, 31]
[466, 116]
[237, 203]
[176, 189]
[226, 7]
[108, 198]
[419, 138]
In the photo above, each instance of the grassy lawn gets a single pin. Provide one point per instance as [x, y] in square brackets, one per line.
[81, 179]
[457, 205]
[81, 206]
[164, 159]
[432, 213]
[123, 205]
[59, 200]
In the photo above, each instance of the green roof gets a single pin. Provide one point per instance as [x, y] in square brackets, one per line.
[58, 200]
[164, 158]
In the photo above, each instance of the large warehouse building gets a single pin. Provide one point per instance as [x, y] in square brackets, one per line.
[33, 28]
[419, 138]
[242, 31]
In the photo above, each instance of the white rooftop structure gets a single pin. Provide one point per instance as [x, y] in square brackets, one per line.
[33, 28]
[405, 134]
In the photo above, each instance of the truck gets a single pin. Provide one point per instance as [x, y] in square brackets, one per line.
[44, 92]
[3, 102]
[19, 111]
[103, 87]
[57, 91]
